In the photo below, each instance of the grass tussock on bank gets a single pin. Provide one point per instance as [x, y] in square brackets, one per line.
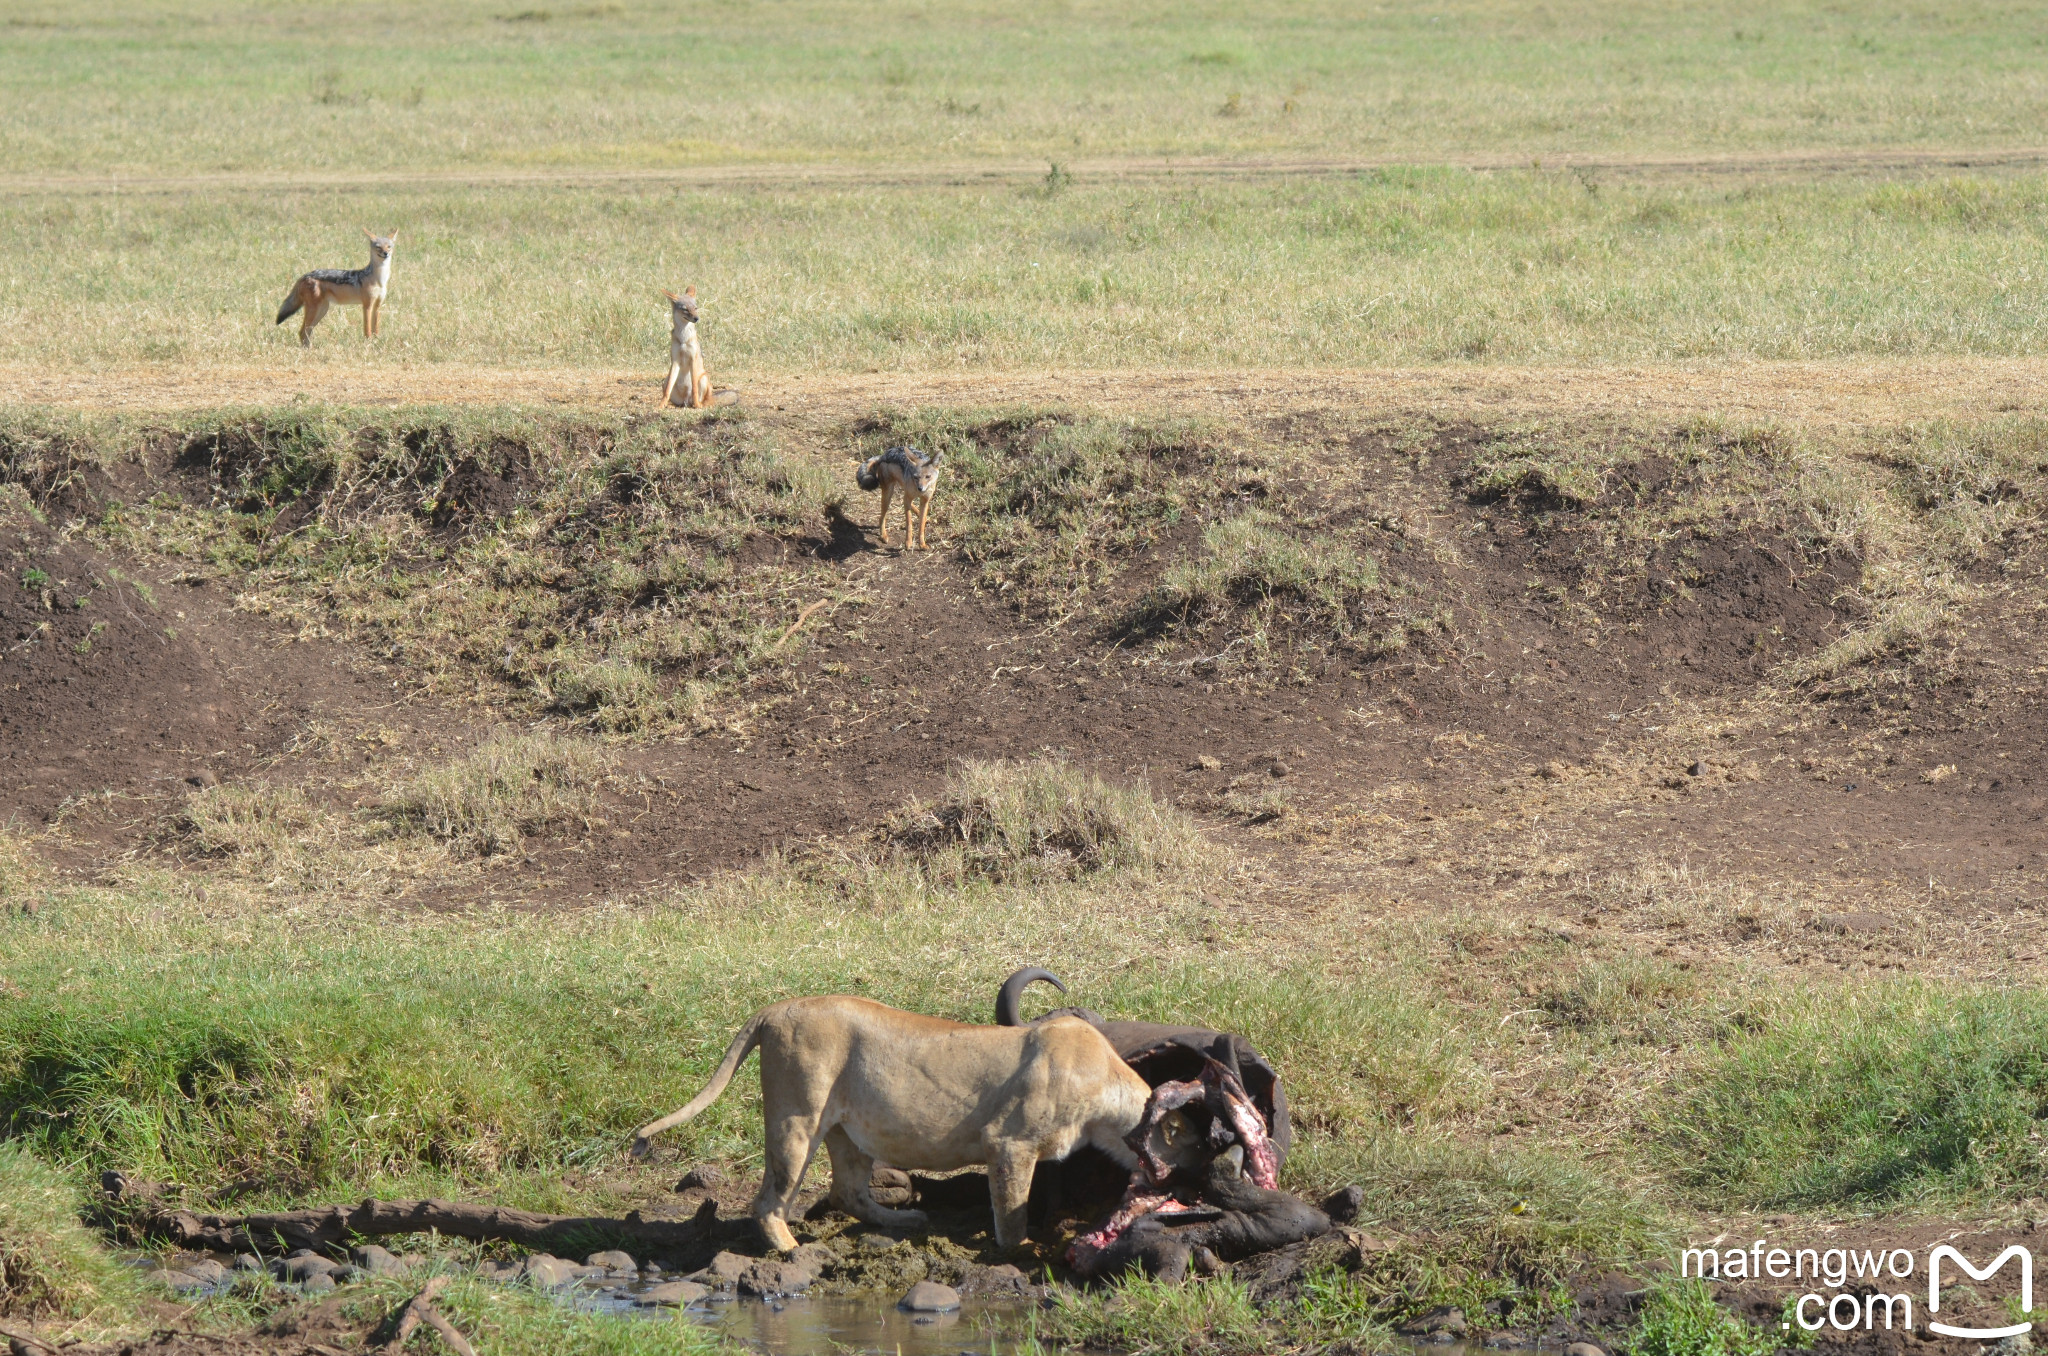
[1043, 820]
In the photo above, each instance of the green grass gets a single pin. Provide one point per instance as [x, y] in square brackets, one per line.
[51, 1265]
[1909, 1096]
[1406, 266]
[1681, 1318]
[636, 84]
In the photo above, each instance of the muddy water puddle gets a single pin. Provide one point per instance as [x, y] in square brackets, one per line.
[832, 1325]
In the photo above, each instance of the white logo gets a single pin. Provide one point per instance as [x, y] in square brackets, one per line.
[1934, 1289]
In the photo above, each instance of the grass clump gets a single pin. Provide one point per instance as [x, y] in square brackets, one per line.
[1903, 1095]
[1680, 1318]
[1045, 819]
[1250, 569]
[512, 785]
[51, 1265]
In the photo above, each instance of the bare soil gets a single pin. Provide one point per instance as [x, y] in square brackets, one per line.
[1860, 393]
[1539, 754]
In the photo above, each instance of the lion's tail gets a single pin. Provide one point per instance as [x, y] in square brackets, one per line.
[742, 1045]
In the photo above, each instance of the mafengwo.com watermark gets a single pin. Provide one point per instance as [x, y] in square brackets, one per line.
[1866, 1289]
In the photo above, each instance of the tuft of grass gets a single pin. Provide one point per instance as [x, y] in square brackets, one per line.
[1252, 573]
[512, 785]
[1681, 1318]
[1903, 1095]
[1039, 820]
[51, 1264]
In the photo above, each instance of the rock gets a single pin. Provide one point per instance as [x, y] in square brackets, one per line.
[301, 1267]
[703, 1177]
[724, 1269]
[876, 1242]
[549, 1273]
[1696, 768]
[1281, 770]
[205, 1268]
[929, 1297]
[1209, 764]
[677, 1293]
[1342, 1205]
[322, 1284]
[1442, 1321]
[613, 1261]
[248, 1261]
[1583, 1349]
[814, 1258]
[770, 1277]
[183, 1282]
[347, 1275]
[376, 1261]
[205, 777]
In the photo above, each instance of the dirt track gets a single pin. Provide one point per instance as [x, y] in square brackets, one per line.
[1889, 160]
[1858, 393]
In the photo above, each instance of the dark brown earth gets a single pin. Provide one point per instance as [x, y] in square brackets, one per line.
[1550, 665]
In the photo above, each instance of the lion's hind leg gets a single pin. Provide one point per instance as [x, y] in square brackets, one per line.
[791, 1140]
[852, 1172]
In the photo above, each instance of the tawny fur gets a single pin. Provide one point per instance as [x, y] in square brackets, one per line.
[689, 383]
[873, 1083]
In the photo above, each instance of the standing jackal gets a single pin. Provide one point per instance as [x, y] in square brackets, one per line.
[316, 291]
[908, 470]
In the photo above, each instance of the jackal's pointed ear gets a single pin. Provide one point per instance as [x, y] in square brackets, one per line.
[691, 291]
[937, 457]
[392, 238]
[670, 295]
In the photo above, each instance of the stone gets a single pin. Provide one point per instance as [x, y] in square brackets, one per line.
[726, 1268]
[677, 1293]
[322, 1284]
[770, 1277]
[815, 1258]
[347, 1275]
[1583, 1349]
[614, 1260]
[376, 1261]
[206, 1269]
[703, 1177]
[1444, 1321]
[1208, 763]
[549, 1273]
[929, 1297]
[248, 1261]
[301, 1267]
[1281, 770]
[1343, 1204]
[183, 1282]
[876, 1242]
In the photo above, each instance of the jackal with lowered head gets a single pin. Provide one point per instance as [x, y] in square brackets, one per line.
[314, 292]
[917, 476]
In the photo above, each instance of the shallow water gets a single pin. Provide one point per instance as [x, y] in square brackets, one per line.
[804, 1325]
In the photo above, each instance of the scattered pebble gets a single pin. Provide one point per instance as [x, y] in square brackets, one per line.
[376, 1261]
[703, 1177]
[1583, 1349]
[614, 1260]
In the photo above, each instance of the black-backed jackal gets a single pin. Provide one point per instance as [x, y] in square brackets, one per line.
[314, 292]
[689, 383]
[917, 476]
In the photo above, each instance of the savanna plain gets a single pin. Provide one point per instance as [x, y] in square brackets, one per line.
[1494, 549]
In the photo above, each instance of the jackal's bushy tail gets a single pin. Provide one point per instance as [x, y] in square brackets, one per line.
[292, 302]
[865, 477]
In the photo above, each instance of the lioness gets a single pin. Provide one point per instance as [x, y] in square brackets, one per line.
[920, 1092]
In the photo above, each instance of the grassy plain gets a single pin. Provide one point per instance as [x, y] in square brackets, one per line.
[177, 87]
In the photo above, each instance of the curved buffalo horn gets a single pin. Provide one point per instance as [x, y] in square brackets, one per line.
[1009, 998]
